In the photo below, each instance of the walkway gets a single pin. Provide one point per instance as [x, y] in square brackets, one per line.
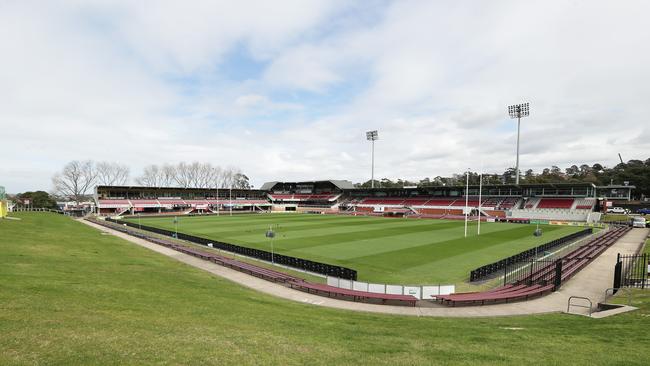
[591, 282]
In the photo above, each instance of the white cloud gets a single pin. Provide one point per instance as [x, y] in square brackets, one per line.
[140, 82]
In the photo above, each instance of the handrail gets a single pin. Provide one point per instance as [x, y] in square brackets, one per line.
[568, 306]
[629, 293]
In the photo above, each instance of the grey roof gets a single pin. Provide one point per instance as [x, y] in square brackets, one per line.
[340, 184]
[616, 186]
[343, 184]
[268, 185]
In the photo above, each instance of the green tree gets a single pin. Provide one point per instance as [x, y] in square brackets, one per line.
[38, 199]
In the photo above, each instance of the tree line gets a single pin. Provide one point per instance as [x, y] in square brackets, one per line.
[635, 172]
[78, 178]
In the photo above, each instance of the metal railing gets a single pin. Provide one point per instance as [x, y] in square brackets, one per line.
[570, 304]
[522, 257]
[299, 263]
[613, 290]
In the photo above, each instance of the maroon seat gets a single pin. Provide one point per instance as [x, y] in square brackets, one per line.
[354, 294]
[542, 277]
[522, 293]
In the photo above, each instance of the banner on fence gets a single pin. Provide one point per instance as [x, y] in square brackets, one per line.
[425, 292]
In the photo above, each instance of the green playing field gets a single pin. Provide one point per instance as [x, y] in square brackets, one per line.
[389, 250]
[72, 295]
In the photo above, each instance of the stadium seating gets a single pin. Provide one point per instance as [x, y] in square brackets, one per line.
[461, 202]
[531, 203]
[145, 203]
[508, 203]
[585, 204]
[565, 203]
[415, 201]
[114, 203]
[440, 202]
[299, 197]
[492, 202]
[355, 295]
[537, 283]
[175, 202]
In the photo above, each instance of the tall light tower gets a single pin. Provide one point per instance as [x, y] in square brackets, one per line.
[372, 136]
[517, 111]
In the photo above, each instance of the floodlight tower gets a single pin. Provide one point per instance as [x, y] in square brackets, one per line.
[372, 136]
[517, 111]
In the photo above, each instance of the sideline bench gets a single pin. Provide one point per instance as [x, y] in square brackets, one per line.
[517, 293]
[537, 284]
[363, 296]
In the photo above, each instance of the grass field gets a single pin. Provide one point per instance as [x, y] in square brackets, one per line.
[72, 296]
[384, 250]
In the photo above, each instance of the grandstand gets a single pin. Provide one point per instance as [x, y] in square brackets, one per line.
[120, 200]
[309, 196]
[557, 201]
[565, 201]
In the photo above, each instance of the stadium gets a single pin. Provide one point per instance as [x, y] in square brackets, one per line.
[324, 183]
[358, 237]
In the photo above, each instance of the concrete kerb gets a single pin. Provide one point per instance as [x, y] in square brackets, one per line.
[553, 303]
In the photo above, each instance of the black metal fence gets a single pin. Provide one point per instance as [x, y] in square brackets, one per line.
[530, 272]
[305, 264]
[631, 270]
[521, 258]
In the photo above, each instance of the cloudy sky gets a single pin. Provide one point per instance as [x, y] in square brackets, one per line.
[285, 90]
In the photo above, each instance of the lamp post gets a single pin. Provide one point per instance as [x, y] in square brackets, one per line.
[466, 201]
[372, 136]
[480, 199]
[517, 111]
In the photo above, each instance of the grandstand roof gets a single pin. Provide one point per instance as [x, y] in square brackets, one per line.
[616, 186]
[340, 184]
[136, 188]
[487, 186]
[268, 185]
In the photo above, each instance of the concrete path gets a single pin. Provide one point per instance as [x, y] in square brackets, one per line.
[591, 282]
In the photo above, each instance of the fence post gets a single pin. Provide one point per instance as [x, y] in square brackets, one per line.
[505, 272]
[530, 277]
[644, 270]
[617, 273]
[558, 274]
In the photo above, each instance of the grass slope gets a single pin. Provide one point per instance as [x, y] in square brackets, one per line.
[380, 249]
[69, 295]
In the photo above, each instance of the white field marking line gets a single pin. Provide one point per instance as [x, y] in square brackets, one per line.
[526, 266]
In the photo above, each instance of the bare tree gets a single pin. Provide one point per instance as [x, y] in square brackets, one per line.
[74, 181]
[192, 175]
[112, 174]
[215, 177]
[196, 173]
[150, 176]
[167, 175]
[227, 177]
[183, 176]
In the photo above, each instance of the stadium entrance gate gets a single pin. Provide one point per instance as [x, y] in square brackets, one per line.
[632, 271]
